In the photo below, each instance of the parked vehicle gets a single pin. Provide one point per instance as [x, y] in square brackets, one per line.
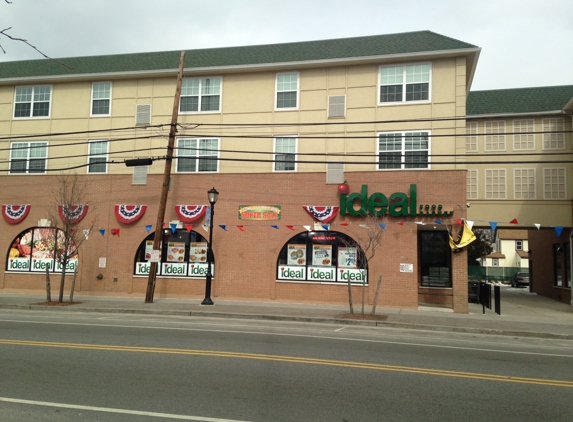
[520, 279]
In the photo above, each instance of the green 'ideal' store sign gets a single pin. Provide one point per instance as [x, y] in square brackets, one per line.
[397, 204]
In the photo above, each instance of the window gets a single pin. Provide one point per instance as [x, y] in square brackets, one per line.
[32, 101]
[495, 262]
[97, 157]
[471, 137]
[519, 245]
[285, 154]
[495, 184]
[554, 140]
[400, 84]
[28, 157]
[524, 184]
[554, 183]
[435, 258]
[197, 155]
[336, 106]
[403, 150]
[101, 99]
[472, 184]
[287, 90]
[494, 136]
[523, 138]
[200, 95]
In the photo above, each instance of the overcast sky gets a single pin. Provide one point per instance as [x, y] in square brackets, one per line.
[524, 42]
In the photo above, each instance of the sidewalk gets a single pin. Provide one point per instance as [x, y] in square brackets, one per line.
[522, 313]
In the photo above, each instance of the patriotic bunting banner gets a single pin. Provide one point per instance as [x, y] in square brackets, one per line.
[190, 213]
[128, 214]
[323, 214]
[14, 214]
[72, 214]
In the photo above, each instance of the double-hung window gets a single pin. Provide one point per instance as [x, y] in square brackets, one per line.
[287, 90]
[197, 155]
[285, 154]
[28, 157]
[97, 161]
[403, 150]
[32, 101]
[554, 133]
[399, 84]
[101, 99]
[200, 95]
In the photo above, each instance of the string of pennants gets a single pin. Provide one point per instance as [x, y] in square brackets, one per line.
[187, 214]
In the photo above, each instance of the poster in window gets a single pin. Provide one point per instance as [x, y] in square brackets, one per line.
[322, 255]
[175, 251]
[347, 257]
[296, 254]
[198, 252]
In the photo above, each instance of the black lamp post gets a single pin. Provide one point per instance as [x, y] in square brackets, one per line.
[213, 195]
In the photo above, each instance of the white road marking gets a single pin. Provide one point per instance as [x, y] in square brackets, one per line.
[123, 411]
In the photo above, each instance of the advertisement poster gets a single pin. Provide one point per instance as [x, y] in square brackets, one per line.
[198, 252]
[175, 251]
[347, 258]
[322, 255]
[296, 255]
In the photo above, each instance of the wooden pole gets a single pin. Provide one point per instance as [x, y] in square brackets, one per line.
[166, 178]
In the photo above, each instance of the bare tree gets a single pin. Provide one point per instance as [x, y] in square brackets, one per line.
[366, 241]
[69, 229]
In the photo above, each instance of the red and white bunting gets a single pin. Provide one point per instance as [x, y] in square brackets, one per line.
[72, 214]
[324, 214]
[190, 213]
[128, 214]
[14, 214]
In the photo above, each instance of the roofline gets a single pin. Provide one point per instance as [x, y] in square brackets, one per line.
[473, 72]
[258, 66]
[529, 113]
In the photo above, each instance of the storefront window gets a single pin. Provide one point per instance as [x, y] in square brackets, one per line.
[183, 254]
[323, 257]
[435, 259]
[557, 264]
[37, 248]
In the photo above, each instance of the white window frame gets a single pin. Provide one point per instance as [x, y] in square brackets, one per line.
[405, 82]
[403, 151]
[197, 152]
[549, 181]
[472, 132]
[555, 124]
[494, 136]
[96, 96]
[490, 185]
[187, 92]
[32, 101]
[519, 245]
[519, 193]
[98, 155]
[472, 185]
[278, 153]
[279, 89]
[25, 148]
[523, 128]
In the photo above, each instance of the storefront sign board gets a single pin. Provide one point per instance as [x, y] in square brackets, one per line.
[259, 212]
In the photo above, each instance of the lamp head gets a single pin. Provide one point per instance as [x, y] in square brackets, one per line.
[213, 195]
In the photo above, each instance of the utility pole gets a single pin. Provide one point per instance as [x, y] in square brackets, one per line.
[166, 178]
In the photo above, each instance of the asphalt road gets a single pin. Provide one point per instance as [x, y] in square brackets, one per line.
[113, 367]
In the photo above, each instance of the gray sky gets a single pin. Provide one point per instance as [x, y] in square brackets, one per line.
[524, 42]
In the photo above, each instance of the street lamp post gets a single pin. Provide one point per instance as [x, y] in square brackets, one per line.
[213, 195]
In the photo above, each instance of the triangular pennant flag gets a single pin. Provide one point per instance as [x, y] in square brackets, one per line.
[537, 225]
[115, 232]
[173, 227]
[558, 230]
[459, 221]
[514, 221]
[164, 225]
[242, 228]
[470, 224]
[344, 223]
[363, 225]
[307, 228]
[383, 226]
[224, 227]
[493, 225]
[326, 227]
[205, 227]
[400, 223]
[438, 221]
[421, 223]
[189, 227]
[102, 231]
[290, 227]
[275, 227]
[148, 228]
[86, 233]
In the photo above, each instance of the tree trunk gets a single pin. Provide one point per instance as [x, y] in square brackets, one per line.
[48, 287]
[363, 291]
[73, 285]
[376, 295]
[62, 281]
[350, 296]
